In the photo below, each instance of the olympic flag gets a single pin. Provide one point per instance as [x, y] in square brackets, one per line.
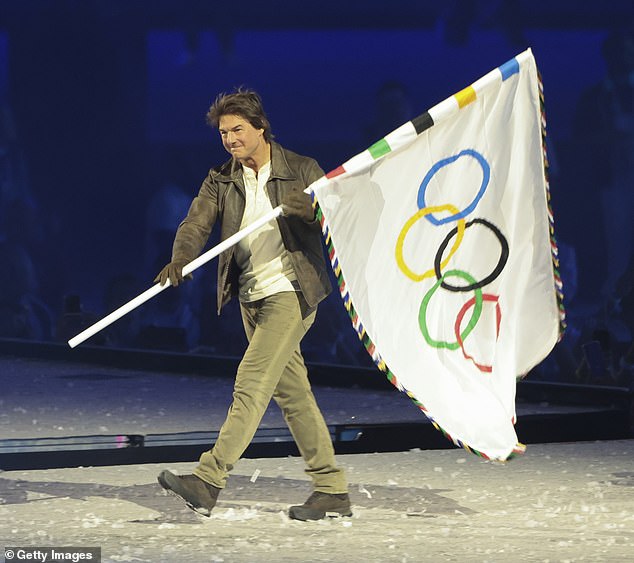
[442, 242]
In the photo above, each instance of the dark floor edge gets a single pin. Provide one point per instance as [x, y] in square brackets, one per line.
[331, 375]
[609, 424]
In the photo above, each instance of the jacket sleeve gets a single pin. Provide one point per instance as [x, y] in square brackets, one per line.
[193, 232]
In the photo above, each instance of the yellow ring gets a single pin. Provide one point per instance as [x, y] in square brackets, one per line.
[408, 225]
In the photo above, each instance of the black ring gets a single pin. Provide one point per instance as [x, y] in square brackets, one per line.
[496, 271]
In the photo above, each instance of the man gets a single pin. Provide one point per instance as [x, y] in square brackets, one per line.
[279, 275]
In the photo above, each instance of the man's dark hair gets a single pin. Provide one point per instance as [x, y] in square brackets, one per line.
[245, 103]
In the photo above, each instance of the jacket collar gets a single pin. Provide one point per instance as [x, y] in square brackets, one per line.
[280, 168]
[231, 171]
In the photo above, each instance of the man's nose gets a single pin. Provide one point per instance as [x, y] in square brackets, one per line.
[230, 137]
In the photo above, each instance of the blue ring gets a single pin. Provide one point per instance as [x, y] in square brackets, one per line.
[486, 175]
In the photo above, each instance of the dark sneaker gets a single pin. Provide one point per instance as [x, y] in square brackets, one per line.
[319, 505]
[197, 494]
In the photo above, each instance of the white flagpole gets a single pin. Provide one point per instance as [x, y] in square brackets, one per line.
[188, 269]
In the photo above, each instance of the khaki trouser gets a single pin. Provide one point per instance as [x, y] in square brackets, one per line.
[273, 366]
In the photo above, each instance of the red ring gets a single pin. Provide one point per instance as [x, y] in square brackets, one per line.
[463, 312]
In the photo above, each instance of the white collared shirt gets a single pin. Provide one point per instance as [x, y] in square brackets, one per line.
[265, 266]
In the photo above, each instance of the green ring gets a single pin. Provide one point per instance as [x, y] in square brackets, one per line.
[475, 316]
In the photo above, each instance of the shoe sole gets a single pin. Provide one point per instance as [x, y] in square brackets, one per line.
[197, 509]
[305, 514]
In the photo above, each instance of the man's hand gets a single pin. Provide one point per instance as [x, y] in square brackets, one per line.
[173, 271]
[298, 204]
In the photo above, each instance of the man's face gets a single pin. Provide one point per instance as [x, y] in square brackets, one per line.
[239, 137]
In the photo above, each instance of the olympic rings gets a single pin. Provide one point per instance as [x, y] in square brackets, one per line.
[486, 175]
[476, 302]
[461, 314]
[408, 225]
[475, 316]
[504, 254]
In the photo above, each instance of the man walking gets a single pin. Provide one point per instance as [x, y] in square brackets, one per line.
[279, 275]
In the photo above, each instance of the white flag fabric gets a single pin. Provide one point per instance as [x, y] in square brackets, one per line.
[441, 239]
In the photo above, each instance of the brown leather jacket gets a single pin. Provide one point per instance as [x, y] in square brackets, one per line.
[222, 196]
